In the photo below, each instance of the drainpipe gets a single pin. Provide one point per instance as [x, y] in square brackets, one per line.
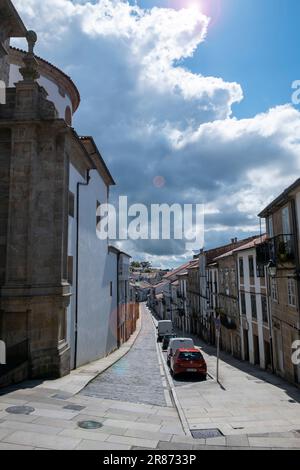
[270, 321]
[118, 301]
[86, 183]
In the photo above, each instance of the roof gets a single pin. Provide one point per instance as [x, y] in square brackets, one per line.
[188, 350]
[116, 250]
[47, 68]
[143, 285]
[178, 270]
[252, 244]
[280, 200]
[242, 244]
[96, 156]
[160, 284]
[194, 265]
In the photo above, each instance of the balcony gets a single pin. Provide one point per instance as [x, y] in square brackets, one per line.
[280, 249]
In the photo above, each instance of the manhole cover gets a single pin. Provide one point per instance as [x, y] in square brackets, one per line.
[74, 407]
[90, 424]
[206, 433]
[20, 410]
[62, 396]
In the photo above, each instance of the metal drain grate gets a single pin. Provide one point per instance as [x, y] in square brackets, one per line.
[206, 433]
[20, 410]
[90, 424]
[74, 407]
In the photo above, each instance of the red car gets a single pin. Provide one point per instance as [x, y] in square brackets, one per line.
[188, 361]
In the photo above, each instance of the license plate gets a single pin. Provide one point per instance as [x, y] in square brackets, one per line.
[191, 370]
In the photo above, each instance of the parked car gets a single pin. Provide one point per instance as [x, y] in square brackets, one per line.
[166, 341]
[177, 343]
[164, 327]
[188, 361]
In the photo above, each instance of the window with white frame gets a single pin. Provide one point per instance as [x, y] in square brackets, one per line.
[274, 290]
[292, 292]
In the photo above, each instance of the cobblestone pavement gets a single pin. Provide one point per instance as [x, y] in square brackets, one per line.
[136, 378]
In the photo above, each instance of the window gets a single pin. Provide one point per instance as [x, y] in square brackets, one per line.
[241, 263]
[71, 204]
[98, 218]
[286, 229]
[274, 290]
[253, 306]
[291, 292]
[251, 266]
[111, 289]
[271, 229]
[264, 309]
[70, 270]
[243, 303]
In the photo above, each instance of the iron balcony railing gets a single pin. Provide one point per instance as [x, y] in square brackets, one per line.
[281, 249]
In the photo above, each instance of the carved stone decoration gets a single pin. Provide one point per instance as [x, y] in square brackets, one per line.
[30, 70]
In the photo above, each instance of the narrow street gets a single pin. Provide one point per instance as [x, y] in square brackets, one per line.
[136, 378]
[128, 406]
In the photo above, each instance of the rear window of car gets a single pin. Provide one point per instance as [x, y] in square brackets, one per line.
[191, 356]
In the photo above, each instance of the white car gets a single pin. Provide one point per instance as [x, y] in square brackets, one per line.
[164, 328]
[178, 343]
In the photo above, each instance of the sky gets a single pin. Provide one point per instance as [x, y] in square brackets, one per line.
[189, 102]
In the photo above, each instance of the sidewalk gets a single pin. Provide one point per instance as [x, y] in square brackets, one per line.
[251, 408]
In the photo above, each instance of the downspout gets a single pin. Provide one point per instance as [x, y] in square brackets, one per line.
[86, 183]
[118, 301]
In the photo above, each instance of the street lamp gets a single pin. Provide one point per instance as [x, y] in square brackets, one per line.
[272, 269]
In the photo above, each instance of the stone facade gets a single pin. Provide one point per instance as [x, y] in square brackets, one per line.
[228, 305]
[283, 219]
[34, 291]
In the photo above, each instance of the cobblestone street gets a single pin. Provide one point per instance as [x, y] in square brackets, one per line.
[136, 378]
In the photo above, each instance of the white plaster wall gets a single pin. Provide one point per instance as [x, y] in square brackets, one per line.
[52, 89]
[247, 287]
[97, 309]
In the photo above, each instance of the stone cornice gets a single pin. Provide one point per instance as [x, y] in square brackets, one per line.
[54, 74]
[14, 26]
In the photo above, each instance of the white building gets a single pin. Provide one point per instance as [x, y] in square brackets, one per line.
[254, 308]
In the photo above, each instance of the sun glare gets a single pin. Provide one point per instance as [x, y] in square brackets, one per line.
[211, 8]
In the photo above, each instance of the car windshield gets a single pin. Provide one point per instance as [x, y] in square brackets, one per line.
[191, 356]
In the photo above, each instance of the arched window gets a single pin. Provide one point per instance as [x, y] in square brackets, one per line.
[68, 116]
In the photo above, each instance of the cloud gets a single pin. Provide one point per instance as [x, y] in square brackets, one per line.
[153, 117]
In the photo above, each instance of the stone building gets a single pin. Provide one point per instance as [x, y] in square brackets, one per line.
[254, 306]
[193, 298]
[209, 284]
[228, 309]
[60, 285]
[281, 252]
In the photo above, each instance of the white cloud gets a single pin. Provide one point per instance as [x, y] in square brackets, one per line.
[151, 116]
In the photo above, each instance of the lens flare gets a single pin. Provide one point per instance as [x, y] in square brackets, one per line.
[211, 8]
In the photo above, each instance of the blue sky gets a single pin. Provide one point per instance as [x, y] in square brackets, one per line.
[206, 108]
[253, 42]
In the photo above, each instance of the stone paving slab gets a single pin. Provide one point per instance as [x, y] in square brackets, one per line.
[134, 441]
[93, 445]
[41, 440]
